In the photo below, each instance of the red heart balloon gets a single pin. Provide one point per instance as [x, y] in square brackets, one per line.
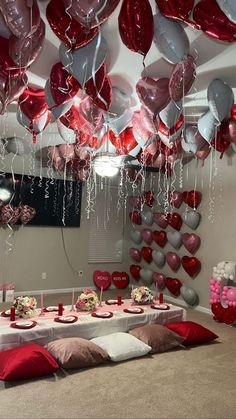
[177, 9]
[173, 285]
[33, 103]
[149, 198]
[66, 28]
[135, 271]
[220, 143]
[191, 265]
[101, 96]
[125, 142]
[147, 254]
[192, 198]
[215, 23]
[136, 25]
[182, 78]
[63, 86]
[191, 242]
[120, 279]
[160, 237]
[175, 220]
[7, 65]
[102, 280]
[135, 217]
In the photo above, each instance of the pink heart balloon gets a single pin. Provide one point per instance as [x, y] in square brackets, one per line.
[160, 219]
[173, 261]
[147, 235]
[135, 254]
[140, 129]
[159, 161]
[153, 94]
[135, 201]
[176, 198]
[149, 121]
[182, 78]
[191, 242]
[159, 279]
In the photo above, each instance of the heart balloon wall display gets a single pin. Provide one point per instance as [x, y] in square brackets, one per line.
[147, 217]
[159, 258]
[147, 235]
[174, 238]
[136, 236]
[146, 275]
[191, 219]
[135, 271]
[175, 221]
[136, 25]
[176, 198]
[191, 242]
[173, 261]
[191, 265]
[159, 279]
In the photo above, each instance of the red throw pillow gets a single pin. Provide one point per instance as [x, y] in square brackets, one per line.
[193, 333]
[27, 361]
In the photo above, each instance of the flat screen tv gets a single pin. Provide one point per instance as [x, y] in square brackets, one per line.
[57, 202]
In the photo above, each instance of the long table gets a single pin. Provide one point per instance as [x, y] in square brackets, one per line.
[86, 327]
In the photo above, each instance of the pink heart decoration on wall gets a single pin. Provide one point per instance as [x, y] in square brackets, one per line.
[160, 219]
[176, 198]
[191, 242]
[135, 254]
[102, 280]
[147, 235]
[173, 261]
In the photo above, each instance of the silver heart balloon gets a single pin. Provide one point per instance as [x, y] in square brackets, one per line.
[82, 63]
[189, 133]
[170, 114]
[146, 275]
[174, 238]
[207, 126]
[189, 295]
[68, 135]
[56, 110]
[228, 7]
[170, 38]
[220, 99]
[147, 217]
[136, 236]
[191, 219]
[159, 258]
[189, 147]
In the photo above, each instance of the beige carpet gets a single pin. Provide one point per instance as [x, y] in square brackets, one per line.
[188, 383]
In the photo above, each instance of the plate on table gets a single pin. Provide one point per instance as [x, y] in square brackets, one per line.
[51, 309]
[6, 313]
[24, 324]
[135, 310]
[66, 319]
[103, 314]
[111, 302]
[160, 306]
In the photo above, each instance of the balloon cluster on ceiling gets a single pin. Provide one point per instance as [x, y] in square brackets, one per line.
[93, 116]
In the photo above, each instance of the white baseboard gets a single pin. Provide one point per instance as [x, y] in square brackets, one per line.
[177, 301]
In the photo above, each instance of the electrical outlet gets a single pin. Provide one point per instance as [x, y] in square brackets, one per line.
[80, 274]
[44, 275]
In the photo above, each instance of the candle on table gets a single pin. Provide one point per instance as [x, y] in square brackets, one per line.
[73, 301]
[60, 309]
[156, 289]
[12, 314]
[161, 298]
[119, 300]
[41, 304]
[100, 302]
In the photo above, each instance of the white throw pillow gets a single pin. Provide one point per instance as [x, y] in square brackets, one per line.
[121, 346]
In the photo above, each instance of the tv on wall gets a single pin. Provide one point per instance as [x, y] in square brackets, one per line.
[57, 202]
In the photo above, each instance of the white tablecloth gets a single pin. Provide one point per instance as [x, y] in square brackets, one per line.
[86, 327]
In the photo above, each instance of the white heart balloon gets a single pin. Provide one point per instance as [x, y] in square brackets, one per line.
[228, 7]
[189, 295]
[189, 133]
[68, 135]
[191, 219]
[159, 258]
[146, 275]
[220, 99]
[136, 236]
[56, 110]
[174, 238]
[207, 126]
[189, 147]
[170, 39]
[171, 113]
[147, 217]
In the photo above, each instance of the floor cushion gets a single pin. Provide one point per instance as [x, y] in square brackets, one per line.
[121, 346]
[26, 361]
[76, 353]
[158, 337]
[193, 333]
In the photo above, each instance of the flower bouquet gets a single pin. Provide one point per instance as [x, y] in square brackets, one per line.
[141, 295]
[87, 301]
[25, 306]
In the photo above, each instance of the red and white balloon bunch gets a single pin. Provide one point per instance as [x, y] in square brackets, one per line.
[9, 215]
[22, 34]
